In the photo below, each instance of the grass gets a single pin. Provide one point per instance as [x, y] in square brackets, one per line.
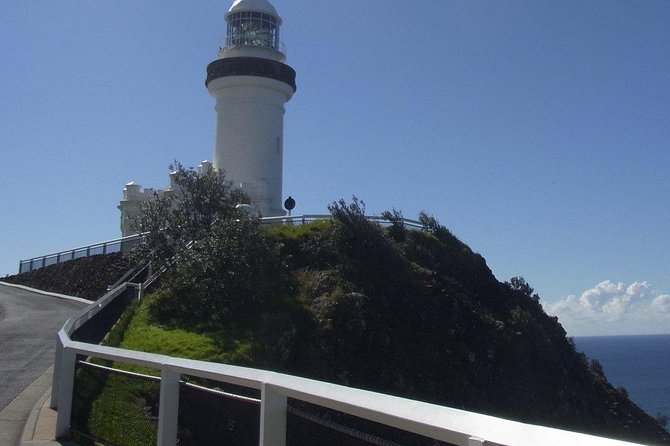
[144, 335]
[299, 230]
[138, 331]
[122, 410]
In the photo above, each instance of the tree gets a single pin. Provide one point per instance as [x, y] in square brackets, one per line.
[518, 283]
[597, 368]
[365, 256]
[172, 221]
[397, 229]
[220, 265]
[434, 227]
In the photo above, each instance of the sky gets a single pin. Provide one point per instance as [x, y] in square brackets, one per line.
[537, 132]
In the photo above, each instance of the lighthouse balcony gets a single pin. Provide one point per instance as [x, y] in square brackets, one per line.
[235, 41]
[239, 47]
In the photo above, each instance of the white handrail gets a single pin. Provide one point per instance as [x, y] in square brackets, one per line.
[62, 256]
[306, 218]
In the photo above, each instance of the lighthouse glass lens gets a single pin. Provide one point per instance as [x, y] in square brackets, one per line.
[248, 28]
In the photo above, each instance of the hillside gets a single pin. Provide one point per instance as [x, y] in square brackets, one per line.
[419, 314]
[86, 277]
[407, 312]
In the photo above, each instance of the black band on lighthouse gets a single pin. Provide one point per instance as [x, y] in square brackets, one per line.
[251, 66]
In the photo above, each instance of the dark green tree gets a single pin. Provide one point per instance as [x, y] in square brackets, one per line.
[173, 220]
[219, 264]
[397, 229]
[518, 283]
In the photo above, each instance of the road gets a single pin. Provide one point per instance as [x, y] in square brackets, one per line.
[28, 326]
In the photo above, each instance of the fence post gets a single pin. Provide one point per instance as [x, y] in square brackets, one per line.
[55, 382]
[140, 291]
[476, 441]
[273, 417]
[68, 362]
[168, 410]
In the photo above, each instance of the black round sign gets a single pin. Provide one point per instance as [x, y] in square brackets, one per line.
[289, 204]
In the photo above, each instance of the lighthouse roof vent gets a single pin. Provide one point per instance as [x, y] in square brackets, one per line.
[253, 5]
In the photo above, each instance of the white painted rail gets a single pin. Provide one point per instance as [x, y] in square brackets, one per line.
[125, 243]
[106, 247]
[454, 426]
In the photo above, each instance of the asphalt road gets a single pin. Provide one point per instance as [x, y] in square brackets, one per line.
[28, 326]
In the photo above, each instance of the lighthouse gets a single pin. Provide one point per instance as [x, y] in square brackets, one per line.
[251, 82]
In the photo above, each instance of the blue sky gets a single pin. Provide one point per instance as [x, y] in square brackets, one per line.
[538, 132]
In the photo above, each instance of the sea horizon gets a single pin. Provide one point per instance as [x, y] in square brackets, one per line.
[640, 363]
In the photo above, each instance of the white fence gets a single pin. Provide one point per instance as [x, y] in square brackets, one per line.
[454, 426]
[125, 243]
[308, 218]
[108, 247]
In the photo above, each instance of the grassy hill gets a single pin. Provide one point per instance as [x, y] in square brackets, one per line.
[405, 312]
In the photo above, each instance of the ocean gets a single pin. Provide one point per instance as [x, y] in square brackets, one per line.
[641, 364]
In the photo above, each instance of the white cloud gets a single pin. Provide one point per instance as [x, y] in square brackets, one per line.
[613, 308]
[661, 304]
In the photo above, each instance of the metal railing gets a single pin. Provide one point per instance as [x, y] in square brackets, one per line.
[108, 247]
[457, 427]
[309, 218]
[230, 43]
[124, 243]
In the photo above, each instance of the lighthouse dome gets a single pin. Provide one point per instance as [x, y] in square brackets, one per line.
[263, 6]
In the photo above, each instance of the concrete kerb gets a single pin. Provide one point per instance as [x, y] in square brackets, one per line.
[40, 425]
[25, 421]
[46, 293]
[37, 426]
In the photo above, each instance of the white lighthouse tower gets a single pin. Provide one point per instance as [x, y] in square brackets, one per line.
[251, 83]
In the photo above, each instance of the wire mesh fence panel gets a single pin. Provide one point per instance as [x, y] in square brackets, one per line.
[67, 256]
[113, 408]
[129, 244]
[216, 417]
[95, 250]
[309, 424]
[113, 247]
[80, 253]
[96, 328]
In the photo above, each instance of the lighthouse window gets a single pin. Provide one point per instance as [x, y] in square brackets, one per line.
[253, 29]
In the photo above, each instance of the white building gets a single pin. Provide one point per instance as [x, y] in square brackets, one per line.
[250, 83]
[134, 194]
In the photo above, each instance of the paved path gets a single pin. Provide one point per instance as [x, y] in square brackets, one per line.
[28, 325]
